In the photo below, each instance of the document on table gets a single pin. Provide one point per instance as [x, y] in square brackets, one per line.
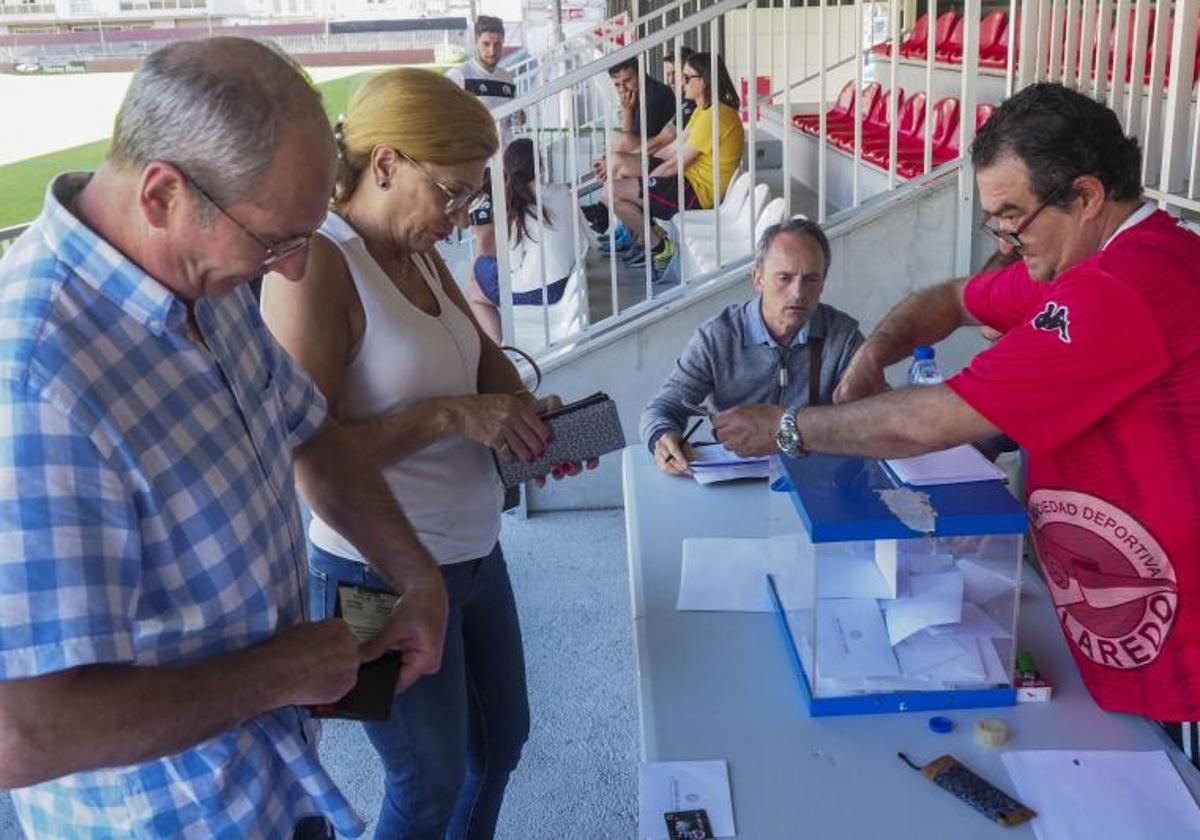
[957, 465]
[731, 575]
[1087, 794]
[716, 463]
[666, 786]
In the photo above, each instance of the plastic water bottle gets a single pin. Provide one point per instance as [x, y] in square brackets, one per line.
[924, 370]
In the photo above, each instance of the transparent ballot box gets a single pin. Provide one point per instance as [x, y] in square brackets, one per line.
[894, 598]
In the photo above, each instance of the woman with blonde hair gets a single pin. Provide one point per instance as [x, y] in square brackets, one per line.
[388, 337]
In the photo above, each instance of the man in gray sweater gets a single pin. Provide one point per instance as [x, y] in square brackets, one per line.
[783, 346]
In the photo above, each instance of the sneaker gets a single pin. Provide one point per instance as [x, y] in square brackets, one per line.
[636, 258]
[622, 241]
[663, 257]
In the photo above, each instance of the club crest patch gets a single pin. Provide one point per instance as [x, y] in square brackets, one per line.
[1054, 318]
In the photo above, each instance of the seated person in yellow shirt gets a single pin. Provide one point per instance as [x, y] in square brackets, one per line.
[697, 158]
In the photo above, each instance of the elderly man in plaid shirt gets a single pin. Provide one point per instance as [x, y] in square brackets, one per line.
[155, 661]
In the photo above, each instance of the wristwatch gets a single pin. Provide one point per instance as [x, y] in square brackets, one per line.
[788, 436]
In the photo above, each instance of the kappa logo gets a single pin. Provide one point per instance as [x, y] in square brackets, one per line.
[1113, 586]
[1054, 319]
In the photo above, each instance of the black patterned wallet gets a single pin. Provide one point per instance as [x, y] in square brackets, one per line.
[587, 428]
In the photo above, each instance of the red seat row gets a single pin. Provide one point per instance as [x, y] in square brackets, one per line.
[948, 39]
[876, 127]
[994, 33]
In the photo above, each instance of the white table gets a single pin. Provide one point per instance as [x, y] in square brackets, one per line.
[719, 685]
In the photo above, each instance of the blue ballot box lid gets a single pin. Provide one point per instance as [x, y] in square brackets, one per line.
[840, 499]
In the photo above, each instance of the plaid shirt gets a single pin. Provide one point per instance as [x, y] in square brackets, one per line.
[148, 515]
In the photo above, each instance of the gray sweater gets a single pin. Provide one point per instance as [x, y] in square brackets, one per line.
[730, 361]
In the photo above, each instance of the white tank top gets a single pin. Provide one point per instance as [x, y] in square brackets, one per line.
[449, 490]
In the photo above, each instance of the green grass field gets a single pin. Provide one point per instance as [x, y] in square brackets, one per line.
[23, 183]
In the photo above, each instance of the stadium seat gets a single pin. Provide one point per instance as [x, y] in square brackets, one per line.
[698, 251]
[919, 34]
[996, 56]
[842, 107]
[842, 135]
[910, 126]
[943, 27]
[910, 158]
[731, 204]
[951, 51]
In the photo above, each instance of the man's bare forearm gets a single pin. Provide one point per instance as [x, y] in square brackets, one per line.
[116, 715]
[924, 317]
[392, 438]
[897, 424]
[346, 490]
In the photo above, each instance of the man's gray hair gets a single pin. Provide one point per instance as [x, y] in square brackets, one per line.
[797, 227]
[217, 108]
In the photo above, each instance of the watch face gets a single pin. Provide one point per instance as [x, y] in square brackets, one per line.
[786, 439]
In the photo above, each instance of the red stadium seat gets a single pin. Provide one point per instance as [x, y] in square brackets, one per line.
[943, 27]
[952, 50]
[997, 54]
[992, 28]
[910, 124]
[842, 135]
[918, 35]
[842, 108]
[910, 160]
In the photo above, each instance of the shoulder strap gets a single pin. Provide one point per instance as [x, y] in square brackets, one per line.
[815, 344]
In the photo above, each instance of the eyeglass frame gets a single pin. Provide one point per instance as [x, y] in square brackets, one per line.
[1012, 238]
[455, 202]
[275, 253]
[687, 77]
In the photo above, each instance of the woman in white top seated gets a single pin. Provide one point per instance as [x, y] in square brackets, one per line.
[388, 337]
[528, 237]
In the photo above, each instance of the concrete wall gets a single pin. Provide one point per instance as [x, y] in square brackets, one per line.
[875, 264]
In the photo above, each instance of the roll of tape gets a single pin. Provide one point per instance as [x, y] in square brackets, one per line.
[990, 732]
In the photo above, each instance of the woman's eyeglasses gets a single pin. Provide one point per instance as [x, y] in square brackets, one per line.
[456, 201]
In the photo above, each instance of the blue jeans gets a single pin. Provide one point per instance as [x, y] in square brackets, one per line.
[455, 736]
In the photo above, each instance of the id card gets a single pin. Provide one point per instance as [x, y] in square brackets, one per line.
[366, 611]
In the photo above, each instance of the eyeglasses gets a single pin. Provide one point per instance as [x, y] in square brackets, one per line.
[275, 253]
[1012, 238]
[687, 77]
[456, 201]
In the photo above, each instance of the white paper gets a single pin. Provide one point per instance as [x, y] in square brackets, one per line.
[731, 575]
[994, 670]
[926, 564]
[1089, 794]
[707, 456]
[943, 659]
[927, 600]
[858, 572]
[665, 786]
[975, 622]
[949, 466]
[852, 640]
[981, 584]
[711, 474]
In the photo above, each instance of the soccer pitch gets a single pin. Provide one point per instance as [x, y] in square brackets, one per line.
[23, 182]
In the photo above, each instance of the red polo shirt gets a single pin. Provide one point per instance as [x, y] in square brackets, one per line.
[1097, 376]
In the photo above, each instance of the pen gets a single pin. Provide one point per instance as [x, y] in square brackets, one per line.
[686, 435]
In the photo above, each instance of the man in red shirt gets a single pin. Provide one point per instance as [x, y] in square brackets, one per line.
[1096, 375]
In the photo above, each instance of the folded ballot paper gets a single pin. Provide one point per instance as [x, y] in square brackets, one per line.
[957, 465]
[716, 463]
